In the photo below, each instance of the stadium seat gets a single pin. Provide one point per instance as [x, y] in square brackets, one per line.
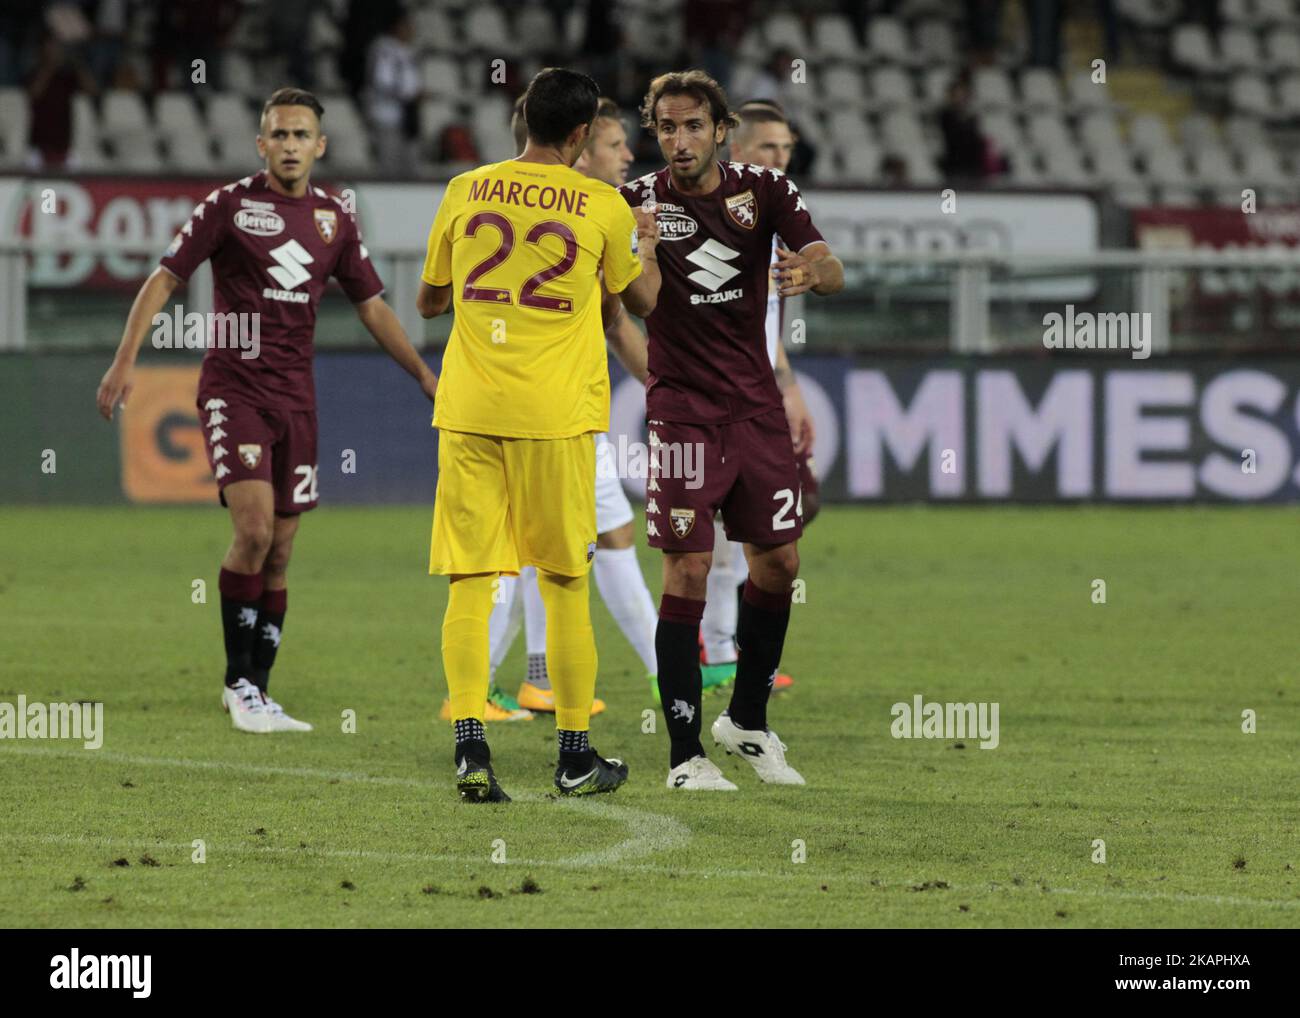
[992, 89]
[1198, 132]
[349, 149]
[240, 75]
[441, 76]
[1148, 132]
[1025, 171]
[322, 33]
[1114, 168]
[847, 127]
[936, 42]
[1238, 12]
[488, 32]
[785, 31]
[887, 41]
[860, 161]
[1001, 126]
[1261, 166]
[891, 88]
[1191, 49]
[842, 86]
[1064, 167]
[1040, 89]
[1150, 13]
[1047, 131]
[1244, 132]
[435, 116]
[1282, 49]
[15, 120]
[434, 31]
[1276, 12]
[935, 87]
[1100, 131]
[1249, 93]
[1086, 94]
[1213, 168]
[1168, 168]
[1238, 49]
[1288, 99]
[834, 39]
[536, 30]
[901, 130]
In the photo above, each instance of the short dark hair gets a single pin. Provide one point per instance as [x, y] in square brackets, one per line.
[696, 84]
[557, 101]
[517, 126]
[764, 104]
[757, 113]
[289, 96]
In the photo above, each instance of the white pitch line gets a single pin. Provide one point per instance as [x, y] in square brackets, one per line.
[648, 832]
[612, 858]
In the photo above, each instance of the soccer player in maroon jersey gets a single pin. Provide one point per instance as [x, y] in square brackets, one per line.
[763, 139]
[712, 391]
[274, 241]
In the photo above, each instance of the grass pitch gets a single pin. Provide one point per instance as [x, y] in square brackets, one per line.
[1119, 721]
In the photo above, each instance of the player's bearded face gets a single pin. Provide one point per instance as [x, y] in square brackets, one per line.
[688, 137]
[290, 142]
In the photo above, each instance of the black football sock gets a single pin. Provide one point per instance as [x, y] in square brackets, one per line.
[471, 741]
[677, 647]
[270, 624]
[240, 594]
[760, 636]
[576, 753]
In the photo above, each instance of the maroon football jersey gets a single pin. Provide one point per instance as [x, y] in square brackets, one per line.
[273, 256]
[708, 343]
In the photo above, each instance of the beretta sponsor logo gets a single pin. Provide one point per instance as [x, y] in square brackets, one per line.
[259, 223]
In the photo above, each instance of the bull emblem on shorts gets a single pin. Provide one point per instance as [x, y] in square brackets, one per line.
[682, 520]
[743, 209]
[250, 455]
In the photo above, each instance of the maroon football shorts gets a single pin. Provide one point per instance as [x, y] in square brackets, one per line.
[245, 443]
[746, 470]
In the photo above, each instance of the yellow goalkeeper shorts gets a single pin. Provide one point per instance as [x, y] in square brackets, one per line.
[503, 503]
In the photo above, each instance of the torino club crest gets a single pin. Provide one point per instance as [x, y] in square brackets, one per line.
[743, 209]
[327, 224]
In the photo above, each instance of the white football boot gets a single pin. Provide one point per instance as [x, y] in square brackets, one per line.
[247, 708]
[762, 749]
[280, 721]
[699, 773]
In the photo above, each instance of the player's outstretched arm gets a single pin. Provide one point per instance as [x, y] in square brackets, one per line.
[641, 295]
[381, 321]
[116, 385]
[814, 268]
[630, 346]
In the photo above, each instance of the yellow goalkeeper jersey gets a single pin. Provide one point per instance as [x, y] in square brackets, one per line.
[520, 244]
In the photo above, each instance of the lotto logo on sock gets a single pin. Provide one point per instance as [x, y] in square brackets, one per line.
[83, 721]
[921, 720]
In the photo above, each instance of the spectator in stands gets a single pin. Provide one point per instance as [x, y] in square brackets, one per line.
[19, 22]
[713, 29]
[967, 154]
[286, 26]
[190, 30]
[60, 74]
[392, 96]
[109, 19]
[1044, 18]
[361, 25]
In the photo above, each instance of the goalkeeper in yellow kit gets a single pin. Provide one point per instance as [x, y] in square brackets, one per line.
[518, 249]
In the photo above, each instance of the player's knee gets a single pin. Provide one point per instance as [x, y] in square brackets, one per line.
[254, 535]
[781, 567]
[689, 575]
[277, 559]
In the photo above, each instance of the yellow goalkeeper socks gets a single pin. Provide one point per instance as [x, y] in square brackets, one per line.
[570, 648]
[465, 644]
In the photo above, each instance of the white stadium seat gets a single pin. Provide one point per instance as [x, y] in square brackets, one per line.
[1086, 94]
[441, 76]
[1001, 126]
[887, 40]
[1192, 50]
[891, 87]
[15, 120]
[847, 127]
[1244, 132]
[834, 38]
[842, 86]
[1198, 132]
[1040, 89]
[1167, 166]
[1047, 131]
[1114, 168]
[1249, 93]
[1262, 167]
[1148, 132]
[786, 31]
[536, 29]
[1238, 49]
[992, 89]
[487, 31]
[1099, 130]
[1288, 100]
[1213, 168]
[936, 42]
[434, 31]
[1282, 49]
